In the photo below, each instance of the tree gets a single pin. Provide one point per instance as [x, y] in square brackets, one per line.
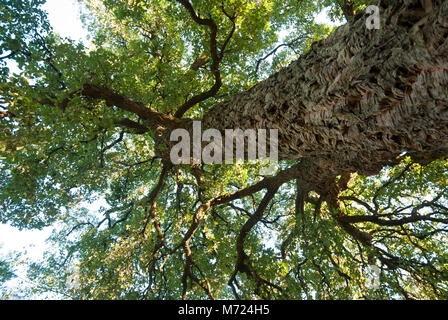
[362, 119]
[6, 274]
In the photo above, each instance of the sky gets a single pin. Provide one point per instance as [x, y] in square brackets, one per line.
[65, 19]
[64, 16]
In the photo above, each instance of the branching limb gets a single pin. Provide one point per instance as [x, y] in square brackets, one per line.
[232, 19]
[216, 58]
[289, 44]
[131, 125]
[151, 203]
[243, 263]
[115, 99]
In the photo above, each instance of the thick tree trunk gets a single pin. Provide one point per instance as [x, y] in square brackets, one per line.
[360, 97]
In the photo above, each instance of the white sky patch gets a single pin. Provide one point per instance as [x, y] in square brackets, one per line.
[33, 241]
[322, 17]
[64, 16]
[30, 244]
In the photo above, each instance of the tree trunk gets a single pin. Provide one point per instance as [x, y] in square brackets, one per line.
[359, 98]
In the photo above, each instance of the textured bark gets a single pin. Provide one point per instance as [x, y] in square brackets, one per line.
[360, 97]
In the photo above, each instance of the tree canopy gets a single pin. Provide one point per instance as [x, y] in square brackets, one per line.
[79, 124]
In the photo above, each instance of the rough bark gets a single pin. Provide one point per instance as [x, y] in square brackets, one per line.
[360, 97]
[352, 103]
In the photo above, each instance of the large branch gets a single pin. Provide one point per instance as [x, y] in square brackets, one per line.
[358, 98]
[243, 263]
[216, 58]
[308, 173]
[115, 99]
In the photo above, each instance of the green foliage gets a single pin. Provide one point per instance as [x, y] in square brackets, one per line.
[61, 151]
